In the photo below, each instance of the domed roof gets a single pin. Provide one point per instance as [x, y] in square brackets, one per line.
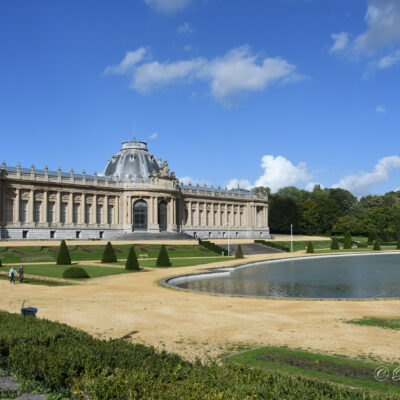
[133, 162]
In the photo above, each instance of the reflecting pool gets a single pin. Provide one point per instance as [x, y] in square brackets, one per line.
[348, 276]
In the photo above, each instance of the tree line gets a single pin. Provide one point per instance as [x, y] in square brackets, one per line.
[333, 211]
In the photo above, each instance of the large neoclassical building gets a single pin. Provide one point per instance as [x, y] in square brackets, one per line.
[136, 193]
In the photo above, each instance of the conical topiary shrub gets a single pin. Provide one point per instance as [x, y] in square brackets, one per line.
[347, 240]
[334, 244]
[109, 254]
[377, 244]
[239, 252]
[132, 261]
[310, 248]
[63, 257]
[163, 258]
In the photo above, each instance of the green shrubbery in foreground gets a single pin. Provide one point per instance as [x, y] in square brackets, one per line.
[65, 358]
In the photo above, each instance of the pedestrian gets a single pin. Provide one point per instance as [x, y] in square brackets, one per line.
[21, 273]
[11, 274]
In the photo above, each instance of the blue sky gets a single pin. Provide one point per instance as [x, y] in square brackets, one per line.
[261, 92]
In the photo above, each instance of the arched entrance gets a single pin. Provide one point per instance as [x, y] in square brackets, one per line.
[162, 215]
[140, 216]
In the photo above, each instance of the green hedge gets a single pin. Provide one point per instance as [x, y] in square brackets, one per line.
[75, 272]
[213, 247]
[63, 257]
[109, 255]
[65, 358]
[273, 245]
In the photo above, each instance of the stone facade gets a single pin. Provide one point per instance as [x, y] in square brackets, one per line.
[42, 204]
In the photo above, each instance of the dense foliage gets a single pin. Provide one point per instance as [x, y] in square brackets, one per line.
[75, 272]
[132, 261]
[109, 255]
[65, 358]
[63, 257]
[310, 248]
[335, 244]
[347, 240]
[239, 252]
[213, 247]
[377, 244]
[163, 258]
[333, 211]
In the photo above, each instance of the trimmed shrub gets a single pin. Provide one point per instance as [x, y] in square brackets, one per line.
[239, 252]
[63, 257]
[213, 247]
[310, 248]
[335, 244]
[362, 245]
[372, 236]
[75, 272]
[109, 254]
[377, 244]
[163, 258]
[347, 240]
[0, 263]
[132, 261]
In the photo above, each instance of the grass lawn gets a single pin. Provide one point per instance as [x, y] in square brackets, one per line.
[334, 369]
[180, 262]
[390, 323]
[94, 252]
[33, 281]
[56, 271]
[356, 250]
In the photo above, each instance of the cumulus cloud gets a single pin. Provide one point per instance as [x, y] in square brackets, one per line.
[380, 109]
[340, 41]
[131, 59]
[280, 172]
[361, 183]
[185, 29]
[382, 35]
[237, 72]
[167, 6]
[242, 183]
[154, 135]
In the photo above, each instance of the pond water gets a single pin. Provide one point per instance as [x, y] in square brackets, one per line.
[348, 276]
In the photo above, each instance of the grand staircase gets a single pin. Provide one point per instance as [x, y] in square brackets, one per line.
[155, 236]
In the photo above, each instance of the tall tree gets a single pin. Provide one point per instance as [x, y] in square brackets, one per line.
[283, 213]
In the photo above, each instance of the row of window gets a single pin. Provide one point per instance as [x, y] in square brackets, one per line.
[238, 218]
[51, 213]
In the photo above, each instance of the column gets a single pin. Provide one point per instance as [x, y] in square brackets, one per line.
[31, 205]
[82, 210]
[44, 207]
[70, 208]
[189, 218]
[156, 200]
[265, 217]
[129, 209]
[211, 222]
[58, 208]
[197, 215]
[105, 210]
[16, 205]
[94, 209]
[3, 205]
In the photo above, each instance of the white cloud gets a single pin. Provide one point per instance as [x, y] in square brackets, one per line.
[229, 76]
[380, 109]
[280, 172]
[131, 59]
[167, 6]
[361, 183]
[242, 183]
[185, 29]
[154, 135]
[340, 41]
[186, 180]
[389, 60]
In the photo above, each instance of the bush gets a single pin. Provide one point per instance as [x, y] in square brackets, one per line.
[163, 258]
[75, 272]
[213, 247]
[63, 257]
[347, 241]
[132, 261]
[362, 245]
[377, 244]
[109, 255]
[0, 263]
[310, 248]
[239, 252]
[372, 236]
[335, 244]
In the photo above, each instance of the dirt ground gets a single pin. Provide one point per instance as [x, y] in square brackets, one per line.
[201, 325]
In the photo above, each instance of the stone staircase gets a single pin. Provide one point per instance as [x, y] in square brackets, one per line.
[155, 236]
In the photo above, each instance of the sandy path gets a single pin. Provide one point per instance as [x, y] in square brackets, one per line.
[202, 325]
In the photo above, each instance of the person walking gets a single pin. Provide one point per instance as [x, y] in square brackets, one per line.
[11, 274]
[21, 273]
